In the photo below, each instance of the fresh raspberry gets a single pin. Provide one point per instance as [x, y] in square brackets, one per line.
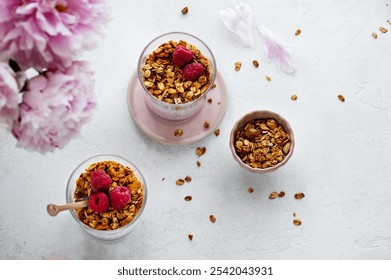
[193, 71]
[99, 202]
[119, 196]
[100, 180]
[181, 56]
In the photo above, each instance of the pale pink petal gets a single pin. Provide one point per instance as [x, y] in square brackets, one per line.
[239, 21]
[276, 51]
[9, 90]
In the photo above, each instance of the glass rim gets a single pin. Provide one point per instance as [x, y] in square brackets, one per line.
[213, 78]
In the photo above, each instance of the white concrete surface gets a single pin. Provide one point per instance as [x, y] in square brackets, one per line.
[341, 161]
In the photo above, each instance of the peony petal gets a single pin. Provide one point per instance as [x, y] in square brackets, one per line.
[26, 8]
[54, 108]
[239, 21]
[51, 24]
[20, 79]
[8, 94]
[276, 51]
[37, 28]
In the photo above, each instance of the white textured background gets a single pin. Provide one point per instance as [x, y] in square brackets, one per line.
[341, 160]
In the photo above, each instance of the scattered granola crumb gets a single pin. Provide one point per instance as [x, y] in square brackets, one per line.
[206, 124]
[217, 132]
[210, 100]
[255, 63]
[389, 21]
[214, 86]
[212, 218]
[294, 214]
[188, 198]
[185, 10]
[268, 79]
[218, 102]
[178, 132]
[188, 179]
[180, 182]
[273, 195]
[340, 97]
[190, 237]
[294, 97]
[200, 151]
[250, 190]
[298, 32]
[296, 222]
[198, 164]
[374, 35]
[281, 194]
[238, 65]
[382, 29]
[299, 195]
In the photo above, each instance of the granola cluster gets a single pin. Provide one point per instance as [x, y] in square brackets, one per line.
[111, 219]
[164, 80]
[262, 143]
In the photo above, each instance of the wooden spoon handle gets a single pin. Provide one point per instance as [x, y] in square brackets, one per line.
[53, 209]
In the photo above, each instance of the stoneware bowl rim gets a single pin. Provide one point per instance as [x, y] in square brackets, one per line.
[261, 114]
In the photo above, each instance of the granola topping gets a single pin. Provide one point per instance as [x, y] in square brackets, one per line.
[299, 195]
[178, 132]
[341, 98]
[164, 80]
[188, 179]
[180, 182]
[262, 143]
[297, 222]
[281, 194]
[273, 195]
[200, 151]
[111, 219]
[185, 10]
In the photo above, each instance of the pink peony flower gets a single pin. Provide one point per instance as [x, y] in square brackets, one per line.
[49, 33]
[10, 84]
[55, 105]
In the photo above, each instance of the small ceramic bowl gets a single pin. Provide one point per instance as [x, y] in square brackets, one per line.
[261, 115]
[70, 190]
[175, 112]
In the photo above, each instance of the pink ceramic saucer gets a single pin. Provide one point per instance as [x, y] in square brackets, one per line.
[162, 130]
